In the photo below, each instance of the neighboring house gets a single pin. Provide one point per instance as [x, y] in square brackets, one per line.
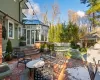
[35, 31]
[11, 17]
[91, 38]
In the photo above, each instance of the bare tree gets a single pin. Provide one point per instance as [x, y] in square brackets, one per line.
[45, 15]
[72, 16]
[55, 11]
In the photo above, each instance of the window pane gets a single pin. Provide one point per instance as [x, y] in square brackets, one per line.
[37, 35]
[10, 30]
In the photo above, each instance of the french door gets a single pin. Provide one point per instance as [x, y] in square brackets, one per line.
[30, 37]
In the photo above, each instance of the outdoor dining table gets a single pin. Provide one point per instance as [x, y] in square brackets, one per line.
[34, 64]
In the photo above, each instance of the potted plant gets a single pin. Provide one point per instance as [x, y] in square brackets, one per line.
[8, 54]
[42, 47]
[67, 55]
[22, 41]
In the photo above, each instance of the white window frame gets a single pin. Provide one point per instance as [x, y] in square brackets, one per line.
[13, 29]
[18, 31]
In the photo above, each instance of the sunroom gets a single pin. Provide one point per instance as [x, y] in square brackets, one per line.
[34, 31]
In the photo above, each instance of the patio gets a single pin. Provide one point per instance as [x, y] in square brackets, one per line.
[21, 73]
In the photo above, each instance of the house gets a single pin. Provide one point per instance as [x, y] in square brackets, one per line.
[13, 28]
[10, 15]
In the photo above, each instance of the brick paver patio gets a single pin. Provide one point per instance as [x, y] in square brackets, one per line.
[19, 73]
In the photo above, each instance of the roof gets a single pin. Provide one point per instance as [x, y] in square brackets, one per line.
[33, 22]
[91, 36]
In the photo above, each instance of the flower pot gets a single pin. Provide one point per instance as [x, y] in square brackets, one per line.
[8, 57]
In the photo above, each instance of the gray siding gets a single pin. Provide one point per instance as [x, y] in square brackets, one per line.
[15, 41]
[10, 7]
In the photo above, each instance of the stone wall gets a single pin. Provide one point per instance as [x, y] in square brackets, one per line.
[93, 53]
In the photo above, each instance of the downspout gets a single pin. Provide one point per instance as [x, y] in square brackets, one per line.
[19, 9]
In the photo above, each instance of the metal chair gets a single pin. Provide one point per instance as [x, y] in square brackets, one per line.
[21, 58]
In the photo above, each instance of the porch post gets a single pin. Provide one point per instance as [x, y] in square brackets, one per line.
[0, 42]
[40, 35]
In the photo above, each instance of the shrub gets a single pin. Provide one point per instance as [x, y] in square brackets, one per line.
[73, 54]
[83, 49]
[9, 50]
[74, 45]
[48, 46]
[52, 47]
[22, 38]
[42, 47]
[67, 54]
[9, 47]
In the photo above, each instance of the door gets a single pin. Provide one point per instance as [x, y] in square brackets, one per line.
[30, 37]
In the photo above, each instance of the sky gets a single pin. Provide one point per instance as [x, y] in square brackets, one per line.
[64, 6]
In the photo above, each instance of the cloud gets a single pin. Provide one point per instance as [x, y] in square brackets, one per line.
[32, 6]
[81, 13]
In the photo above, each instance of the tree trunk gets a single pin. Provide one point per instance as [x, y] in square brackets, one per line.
[93, 22]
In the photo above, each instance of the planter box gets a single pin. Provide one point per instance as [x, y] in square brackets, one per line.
[22, 43]
[38, 44]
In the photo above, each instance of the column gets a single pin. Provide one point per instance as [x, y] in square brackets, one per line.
[40, 35]
[0, 43]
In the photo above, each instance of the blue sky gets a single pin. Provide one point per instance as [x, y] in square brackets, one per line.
[64, 6]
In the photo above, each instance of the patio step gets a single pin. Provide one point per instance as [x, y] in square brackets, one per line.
[31, 51]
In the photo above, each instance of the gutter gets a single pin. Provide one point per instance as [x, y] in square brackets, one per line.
[19, 8]
[10, 17]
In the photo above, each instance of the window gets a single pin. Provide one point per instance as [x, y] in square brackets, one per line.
[19, 32]
[37, 35]
[10, 30]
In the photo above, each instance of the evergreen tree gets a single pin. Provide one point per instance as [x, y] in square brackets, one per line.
[51, 34]
[72, 32]
[94, 7]
[9, 47]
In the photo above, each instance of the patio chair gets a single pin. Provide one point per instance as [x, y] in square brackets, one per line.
[22, 59]
[15, 50]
